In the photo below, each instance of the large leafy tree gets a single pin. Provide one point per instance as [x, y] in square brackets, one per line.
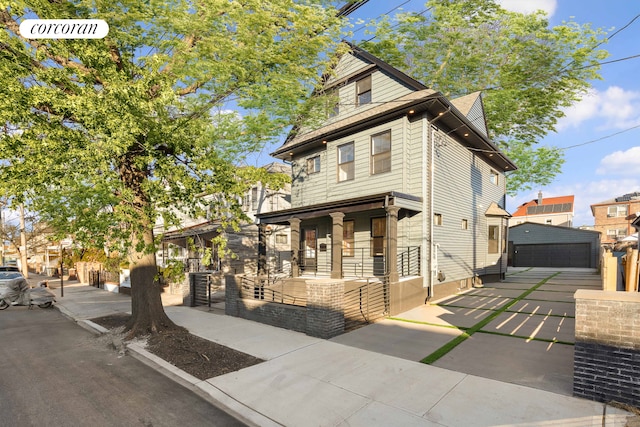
[527, 71]
[103, 136]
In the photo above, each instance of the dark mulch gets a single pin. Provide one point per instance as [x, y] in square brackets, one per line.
[198, 357]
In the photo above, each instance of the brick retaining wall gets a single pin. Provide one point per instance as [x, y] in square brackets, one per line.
[607, 346]
[323, 317]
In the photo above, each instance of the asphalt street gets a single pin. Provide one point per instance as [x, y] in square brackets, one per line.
[56, 373]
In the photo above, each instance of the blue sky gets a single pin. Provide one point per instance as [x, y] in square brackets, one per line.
[595, 171]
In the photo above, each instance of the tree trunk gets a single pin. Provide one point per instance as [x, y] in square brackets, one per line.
[147, 312]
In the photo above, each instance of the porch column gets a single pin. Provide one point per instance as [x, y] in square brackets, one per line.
[262, 249]
[294, 223]
[336, 244]
[392, 244]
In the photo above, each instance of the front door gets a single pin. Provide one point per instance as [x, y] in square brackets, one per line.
[309, 245]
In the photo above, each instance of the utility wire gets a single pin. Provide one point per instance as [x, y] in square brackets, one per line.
[600, 139]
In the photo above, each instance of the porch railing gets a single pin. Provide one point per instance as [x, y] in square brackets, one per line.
[365, 301]
[252, 287]
[359, 263]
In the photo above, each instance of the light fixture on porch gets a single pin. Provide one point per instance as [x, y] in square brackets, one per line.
[412, 111]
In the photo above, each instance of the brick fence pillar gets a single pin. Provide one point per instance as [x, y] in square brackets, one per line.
[607, 346]
[231, 295]
[325, 311]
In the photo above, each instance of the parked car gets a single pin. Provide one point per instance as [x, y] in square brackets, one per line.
[9, 268]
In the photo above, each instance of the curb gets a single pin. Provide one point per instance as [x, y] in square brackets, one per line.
[204, 389]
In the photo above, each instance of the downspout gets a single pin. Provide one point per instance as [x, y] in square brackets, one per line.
[428, 133]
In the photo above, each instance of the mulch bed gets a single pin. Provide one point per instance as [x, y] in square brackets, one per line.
[198, 357]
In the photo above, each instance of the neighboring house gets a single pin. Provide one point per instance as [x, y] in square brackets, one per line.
[541, 245]
[398, 183]
[549, 211]
[613, 217]
[188, 241]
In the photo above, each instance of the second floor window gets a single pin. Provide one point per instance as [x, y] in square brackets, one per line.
[381, 152]
[363, 91]
[614, 211]
[494, 177]
[313, 165]
[346, 164]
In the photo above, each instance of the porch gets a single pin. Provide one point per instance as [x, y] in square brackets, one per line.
[373, 236]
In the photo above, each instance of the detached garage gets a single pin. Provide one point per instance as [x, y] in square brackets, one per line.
[541, 245]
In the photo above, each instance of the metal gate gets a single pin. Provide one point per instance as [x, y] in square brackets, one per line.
[365, 302]
[201, 287]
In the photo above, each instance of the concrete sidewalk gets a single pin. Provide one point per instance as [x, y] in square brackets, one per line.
[307, 381]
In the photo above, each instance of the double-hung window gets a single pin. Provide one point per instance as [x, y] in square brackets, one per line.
[313, 165]
[494, 239]
[381, 152]
[363, 91]
[617, 210]
[346, 164]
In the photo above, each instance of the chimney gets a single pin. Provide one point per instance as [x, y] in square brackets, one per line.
[539, 198]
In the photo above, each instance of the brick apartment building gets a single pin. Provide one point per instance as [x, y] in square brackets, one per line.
[613, 217]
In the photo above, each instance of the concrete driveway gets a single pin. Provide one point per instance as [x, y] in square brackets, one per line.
[520, 330]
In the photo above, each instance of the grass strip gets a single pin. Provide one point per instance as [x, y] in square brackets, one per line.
[481, 324]
[527, 338]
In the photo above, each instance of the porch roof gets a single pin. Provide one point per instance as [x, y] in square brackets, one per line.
[359, 204]
[195, 230]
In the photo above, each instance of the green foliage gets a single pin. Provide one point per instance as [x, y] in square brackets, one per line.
[102, 137]
[527, 71]
[173, 272]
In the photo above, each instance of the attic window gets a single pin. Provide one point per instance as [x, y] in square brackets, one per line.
[363, 91]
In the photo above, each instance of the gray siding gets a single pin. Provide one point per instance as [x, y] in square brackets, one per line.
[384, 88]
[311, 189]
[476, 116]
[463, 190]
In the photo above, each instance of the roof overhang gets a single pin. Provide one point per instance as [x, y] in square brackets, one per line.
[411, 204]
[412, 105]
[207, 228]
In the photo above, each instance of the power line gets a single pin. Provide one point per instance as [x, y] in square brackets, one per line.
[382, 14]
[600, 139]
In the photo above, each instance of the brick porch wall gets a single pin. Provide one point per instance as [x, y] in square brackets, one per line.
[323, 317]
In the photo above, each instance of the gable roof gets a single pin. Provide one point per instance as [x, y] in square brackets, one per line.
[378, 63]
[471, 106]
[554, 205]
[495, 210]
[419, 101]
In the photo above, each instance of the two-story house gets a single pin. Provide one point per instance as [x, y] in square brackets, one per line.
[399, 183]
[548, 210]
[613, 217]
[188, 241]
